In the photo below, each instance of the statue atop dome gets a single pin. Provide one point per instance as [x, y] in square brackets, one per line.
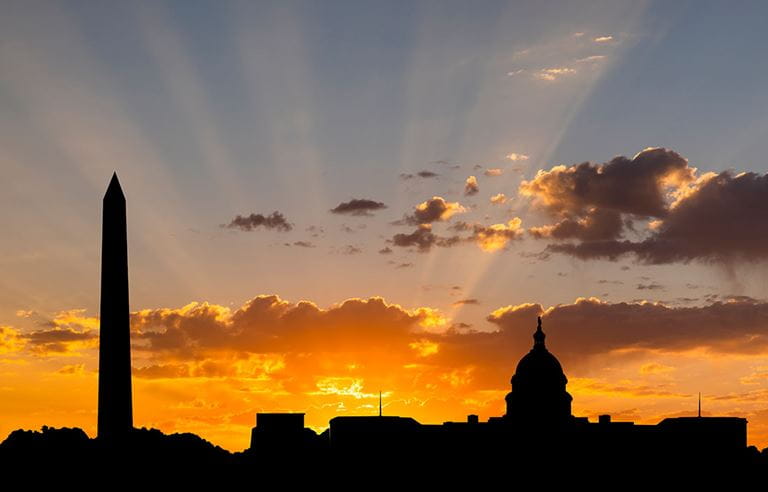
[538, 387]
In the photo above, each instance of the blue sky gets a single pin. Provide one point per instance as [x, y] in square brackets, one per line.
[211, 110]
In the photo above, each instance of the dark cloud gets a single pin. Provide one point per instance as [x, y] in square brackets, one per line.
[420, 174]
[59, 340]
[651, 286]
[461, 302]
[597, 225]
[303, 244]
[358, 207]
[423, 239]
[630, 186]
[315, 231]
[404, 265]
[716, 218]
[731, 327]
[471, 187]
[351, 250]
[275, 221]
[385, 250]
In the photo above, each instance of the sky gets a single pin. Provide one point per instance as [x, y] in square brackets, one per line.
[330, 199]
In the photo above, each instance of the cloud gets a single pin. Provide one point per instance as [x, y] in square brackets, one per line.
[423, 239]
[350, 250]
[603, 39]
[10, 340]
[470, 186]
[655, 368]
[462, 302]
[493, 237]
[591, 59]
[517, 157]
[385, 251]
[499, 199]
[358, 207]
[268, 324]
[59, 341]
[72, 369]
[420, 174]
[493, 172]
[315, 231]
[275, 220]
[433, 210]
[711, 218]
[650, 286]
[66, 334]
[725, 327]
[631, 186]
[303, 244]
[596, 225]
[552, 74]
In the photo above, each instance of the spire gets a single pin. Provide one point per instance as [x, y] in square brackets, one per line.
[539, 336]
[114, 190]
[699, 404]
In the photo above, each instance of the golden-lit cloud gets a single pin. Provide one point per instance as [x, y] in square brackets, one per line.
[515, 156]
[496, 236]
[493, 237]
[493, 172]
[425, 347]
[655, 368]
[471, 187]
[10, 340]
[435, 209]
[499, 199]
[552, 74]
[603, 39]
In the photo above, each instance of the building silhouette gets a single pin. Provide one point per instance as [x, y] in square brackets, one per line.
[538, 428]
[115, 418]
[538, 387]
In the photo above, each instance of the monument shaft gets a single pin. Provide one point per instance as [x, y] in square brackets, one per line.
[115, 399]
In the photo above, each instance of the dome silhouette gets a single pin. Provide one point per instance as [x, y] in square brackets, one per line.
[538, 387]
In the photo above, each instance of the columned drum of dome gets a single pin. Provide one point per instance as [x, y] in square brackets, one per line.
[538, 388]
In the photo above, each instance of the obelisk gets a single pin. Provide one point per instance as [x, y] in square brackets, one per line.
[115, 400]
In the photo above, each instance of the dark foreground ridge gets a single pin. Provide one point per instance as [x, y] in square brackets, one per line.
[537, 438]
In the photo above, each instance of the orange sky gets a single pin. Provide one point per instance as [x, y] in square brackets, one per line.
[208, 369]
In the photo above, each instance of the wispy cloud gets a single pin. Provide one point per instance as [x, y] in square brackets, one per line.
[552, 74]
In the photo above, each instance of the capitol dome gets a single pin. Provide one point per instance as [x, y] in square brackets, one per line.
[538, 387]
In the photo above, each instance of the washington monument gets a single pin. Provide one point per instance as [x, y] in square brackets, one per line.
[115, 401]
